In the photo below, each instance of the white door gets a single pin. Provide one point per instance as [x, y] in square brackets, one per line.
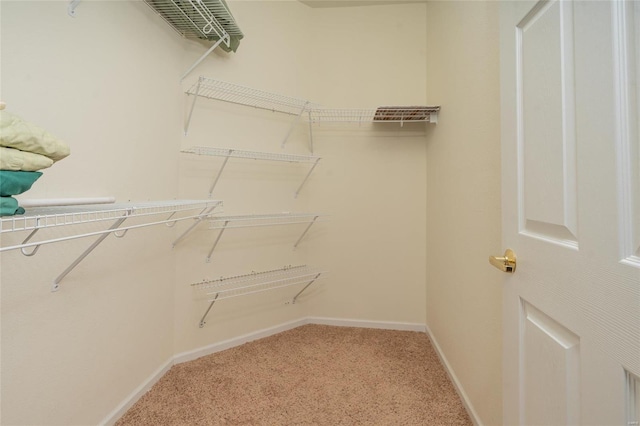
[571, 211]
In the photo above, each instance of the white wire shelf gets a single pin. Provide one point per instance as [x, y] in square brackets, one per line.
[252, 155]
[146, 213]
[243, 95]
[257, 282]
[268, 156]
[47, 217]
[271, 219]
[223, 223]
[201, 19]
[386, 114]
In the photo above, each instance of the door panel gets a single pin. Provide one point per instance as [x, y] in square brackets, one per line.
[626, 16]
[571, 183]
[551, 398]
[544, 51]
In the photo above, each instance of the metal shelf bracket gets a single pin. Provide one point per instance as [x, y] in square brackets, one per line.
[56, 283]
[71, 8]
[257, 282]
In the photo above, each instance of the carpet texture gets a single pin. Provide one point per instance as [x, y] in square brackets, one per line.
[311, 375]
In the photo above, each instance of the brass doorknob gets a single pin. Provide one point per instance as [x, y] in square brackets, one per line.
[506, 263]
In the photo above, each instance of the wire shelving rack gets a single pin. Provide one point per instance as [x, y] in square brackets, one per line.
[145, 214]
[222, 223]
[253, 155]
[257, 282]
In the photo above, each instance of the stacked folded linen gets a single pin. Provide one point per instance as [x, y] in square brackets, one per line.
[24, 149]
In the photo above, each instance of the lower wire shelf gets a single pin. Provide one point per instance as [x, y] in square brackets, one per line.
[146, 213]
[256, 282]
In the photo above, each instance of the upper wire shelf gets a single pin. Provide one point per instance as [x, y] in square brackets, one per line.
[387, 114]
[242, 95]
[201, 19]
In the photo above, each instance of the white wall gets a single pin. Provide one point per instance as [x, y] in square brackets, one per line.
[106, 82]
[373, 181]
[464, 293]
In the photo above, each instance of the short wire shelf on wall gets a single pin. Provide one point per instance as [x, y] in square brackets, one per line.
[386, 114]
[223, 223]
[236, 94]
[267, 156]
[147, 214]
[257, 282]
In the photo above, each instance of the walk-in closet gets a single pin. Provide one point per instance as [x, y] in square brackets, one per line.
[243, 172]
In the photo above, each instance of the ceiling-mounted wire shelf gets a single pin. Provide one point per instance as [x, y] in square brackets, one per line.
[257, 282]
[200, 19]
[223, 223]
[144, 213]
[386, 114]
[253, 155]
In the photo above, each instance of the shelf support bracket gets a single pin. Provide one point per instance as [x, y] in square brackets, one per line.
[310, 133]
[293, 125]
[56, 283]
[215, 181]
[26, 240]
[305, 232]
[305, 287]
[193, 104]
[204, 213]
[202, 320]
[71, 8]
[196, 63]
[306, 178]
[215, 243]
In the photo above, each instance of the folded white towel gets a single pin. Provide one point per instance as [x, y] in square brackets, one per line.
[14, 159]
[19, 134]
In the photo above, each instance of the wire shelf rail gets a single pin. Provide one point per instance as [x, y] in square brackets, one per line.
[257, 282]
[387, 114]
[254, 155]
[242, 95]
[222, 223]
[148, 213]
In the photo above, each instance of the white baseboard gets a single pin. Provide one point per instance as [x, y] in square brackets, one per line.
[137, 394]
[236, 341]
[454, 379]
[385, 325]
[240, 340]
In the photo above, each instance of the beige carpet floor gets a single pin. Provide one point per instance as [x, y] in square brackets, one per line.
[311, 375]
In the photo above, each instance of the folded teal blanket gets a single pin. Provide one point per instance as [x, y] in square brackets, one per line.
[9, 207]
[14, 182]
